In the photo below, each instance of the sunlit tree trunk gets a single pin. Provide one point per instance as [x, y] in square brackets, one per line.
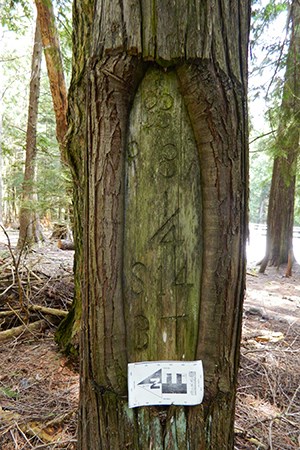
[29, 223]
[280, 218]
[158, 116]
[67, 333]
[51, 45]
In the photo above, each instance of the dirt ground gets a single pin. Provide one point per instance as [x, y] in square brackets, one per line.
[39, 386]
[268, 397]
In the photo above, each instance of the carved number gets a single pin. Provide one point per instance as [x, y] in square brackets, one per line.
[138, 272]
[141, 329]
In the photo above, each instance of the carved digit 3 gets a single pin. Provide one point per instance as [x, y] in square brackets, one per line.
[141, 329]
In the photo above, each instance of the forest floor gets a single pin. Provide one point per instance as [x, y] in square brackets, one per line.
[39, 386]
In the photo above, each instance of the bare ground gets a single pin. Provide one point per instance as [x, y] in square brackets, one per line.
[39, 386]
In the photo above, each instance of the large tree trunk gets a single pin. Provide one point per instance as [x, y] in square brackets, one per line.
[280, 220]
[29, 221]
[165, 201]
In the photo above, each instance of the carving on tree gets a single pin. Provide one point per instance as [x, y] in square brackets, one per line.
[140, 252]
[162, 221]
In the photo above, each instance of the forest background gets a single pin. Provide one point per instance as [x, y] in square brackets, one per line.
[267, 59]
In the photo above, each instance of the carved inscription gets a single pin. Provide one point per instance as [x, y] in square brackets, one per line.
[141, 332]
[162, 251]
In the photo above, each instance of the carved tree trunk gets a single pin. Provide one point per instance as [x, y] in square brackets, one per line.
[280, 219]
[165, 201]
[29, 221]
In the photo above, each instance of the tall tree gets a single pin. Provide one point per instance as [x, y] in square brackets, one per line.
[29, 222]
[50, 39]
[280, 218]
[158, 116]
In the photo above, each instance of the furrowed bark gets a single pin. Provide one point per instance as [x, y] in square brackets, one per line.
[164, 225]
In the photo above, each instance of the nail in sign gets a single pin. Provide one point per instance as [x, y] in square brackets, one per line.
[165, 383]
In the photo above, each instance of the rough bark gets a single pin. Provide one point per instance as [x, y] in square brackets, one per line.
[280, 220]
[29, 221]
[67, 334]
[159, 75]
[46, 20]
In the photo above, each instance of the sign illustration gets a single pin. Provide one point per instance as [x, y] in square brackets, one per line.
[165, 383]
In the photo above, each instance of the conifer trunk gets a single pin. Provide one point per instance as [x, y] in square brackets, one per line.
[280, 220]
[163, 137]
[29, 221]
[50, 39]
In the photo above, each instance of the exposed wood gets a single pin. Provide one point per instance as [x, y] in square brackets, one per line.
[172, 30]
[163, 224]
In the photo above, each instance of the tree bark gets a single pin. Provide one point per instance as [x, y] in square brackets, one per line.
[67, 335]
[165, 201]
[50, 39]
[280, 219]
[29, 222]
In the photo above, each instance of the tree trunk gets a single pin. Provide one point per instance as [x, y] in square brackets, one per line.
[46, 20]
[1, 166]
[165, 201]
[280, 220]
[29, 223]
[67, 335]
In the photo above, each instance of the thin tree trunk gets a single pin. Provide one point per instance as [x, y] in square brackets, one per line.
[280, 220]
[55, 70]
[28, 219]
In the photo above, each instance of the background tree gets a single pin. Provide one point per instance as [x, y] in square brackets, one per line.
[280, 219]
[53, 203]
[30, 231]
[193, 59]
[51, 44]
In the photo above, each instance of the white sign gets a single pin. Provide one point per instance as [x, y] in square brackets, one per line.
[165, 383]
